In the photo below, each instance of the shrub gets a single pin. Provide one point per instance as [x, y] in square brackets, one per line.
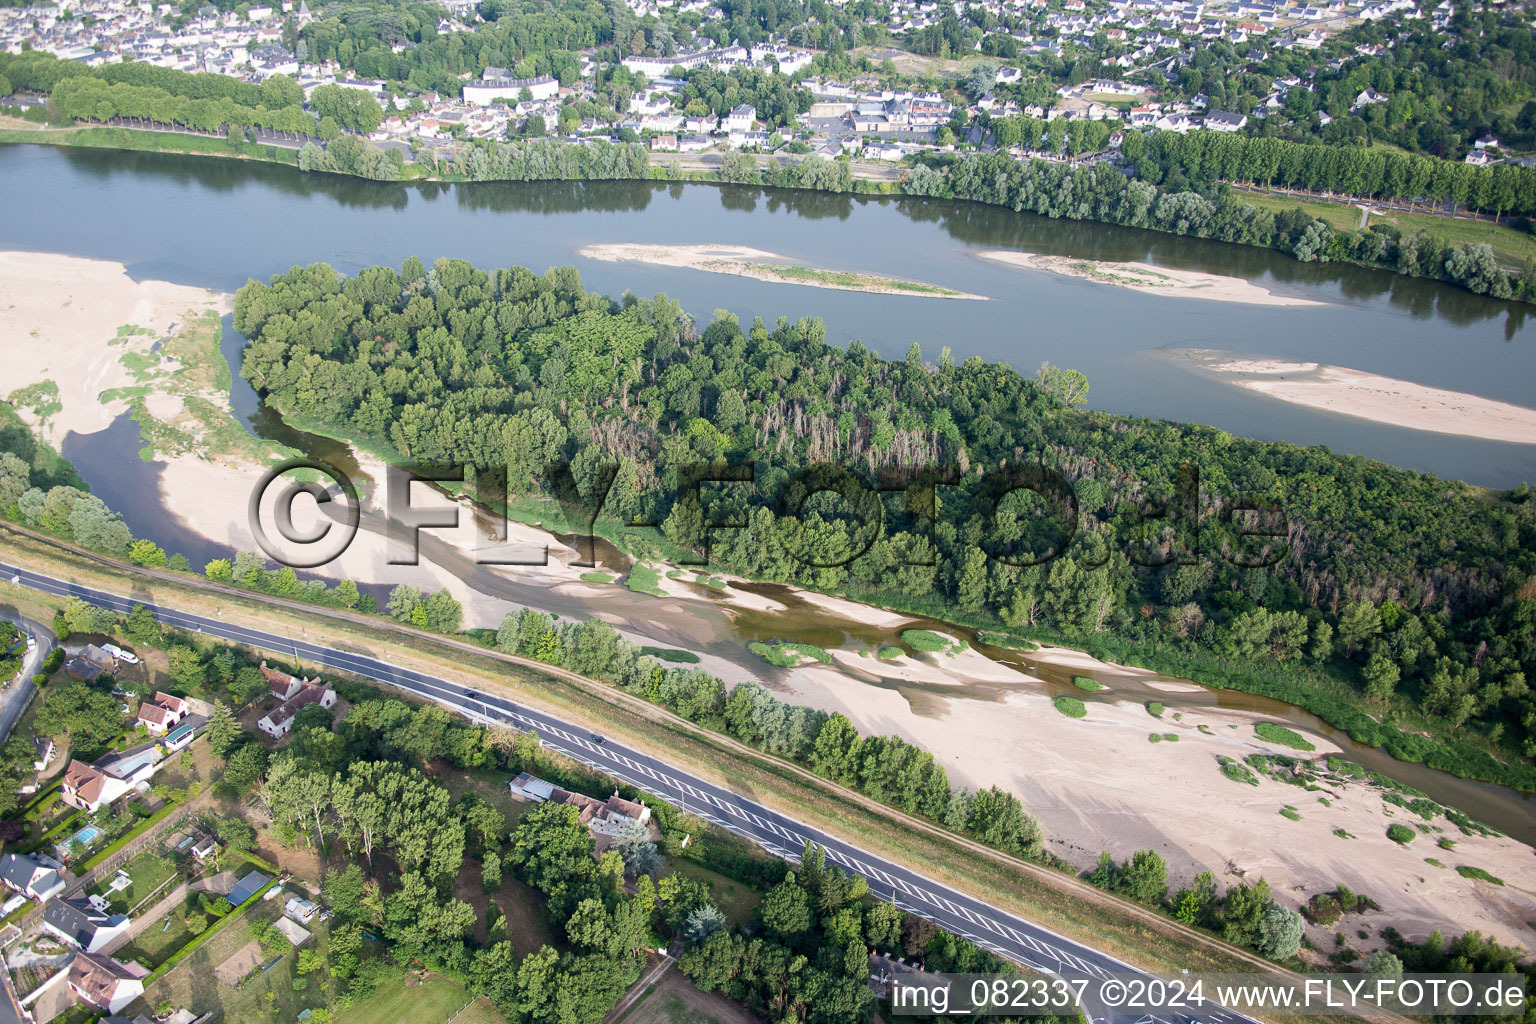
[1071, 707]
[926, 640]
[1237, 771]
[1467, 871]
[1091, 685]
[1155, 709]
[1281, 735]
[1290, 812]
[1401, 834]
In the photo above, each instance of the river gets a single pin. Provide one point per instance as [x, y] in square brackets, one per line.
[217, 223]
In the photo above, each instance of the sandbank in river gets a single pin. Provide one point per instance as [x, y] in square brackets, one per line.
[745, 262]
[1143, 277]
[1369, 396]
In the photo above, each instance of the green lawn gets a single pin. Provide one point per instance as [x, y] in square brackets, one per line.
[1511, 246]
[148, 871]
[736, 899]
[155, 944]
[435, 1001]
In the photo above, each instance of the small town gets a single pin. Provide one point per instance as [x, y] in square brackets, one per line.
[861, 116]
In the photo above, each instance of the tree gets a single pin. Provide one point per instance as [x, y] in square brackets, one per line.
[1382, 961]
[1068, 386]
[223, 730]
[786, 909]
[1280, 931]
[702, 922]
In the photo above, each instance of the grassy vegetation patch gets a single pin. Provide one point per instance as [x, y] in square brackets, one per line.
[1070, 706]
[890, 652]
[1342, 834]
[926, 640]
[1467, 871]
[1281, 735]
[1236, 771]
[848, 280]
[786, 655]
[1170, 737]
[671, 654]
[645, 579]
[596, 577]
[1013, 643]
[1290, 812]
[1091, 685]
[1401, 834]
[1155, 709]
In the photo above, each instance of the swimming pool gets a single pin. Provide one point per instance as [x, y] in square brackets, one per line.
[84, 837]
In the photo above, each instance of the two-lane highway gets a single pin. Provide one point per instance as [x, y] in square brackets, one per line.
[995, 929]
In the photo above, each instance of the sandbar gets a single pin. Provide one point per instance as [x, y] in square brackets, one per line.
[60, 321]
[1370, 396]
[1143, 277]
[764, 266]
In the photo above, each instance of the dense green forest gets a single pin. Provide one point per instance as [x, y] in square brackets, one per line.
[1393, 590]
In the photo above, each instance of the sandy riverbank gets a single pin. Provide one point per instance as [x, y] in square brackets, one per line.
[60, 320]
[1369, 396]
[764, 266]
[1143, 277]
[1098, 783]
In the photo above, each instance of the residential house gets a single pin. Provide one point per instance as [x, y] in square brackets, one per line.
[89, 786]
[161, 712]
[30, 877]
[1367, 97]
[105, 983]
[43, 751]
[603, 818]
[1225, 121]
[740, 119]
[295, 694]
[86, 924]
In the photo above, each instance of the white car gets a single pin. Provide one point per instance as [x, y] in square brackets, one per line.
[31, 645]
[120, 654]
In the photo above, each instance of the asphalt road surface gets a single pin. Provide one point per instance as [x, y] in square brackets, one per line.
[995, 929]
[16, 696]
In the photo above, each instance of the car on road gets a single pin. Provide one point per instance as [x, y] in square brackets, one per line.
[595, 738]
[120, 654]
[31, 645]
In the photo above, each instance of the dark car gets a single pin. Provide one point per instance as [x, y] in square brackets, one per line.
[595, 738]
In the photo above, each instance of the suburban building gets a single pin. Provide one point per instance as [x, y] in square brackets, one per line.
[295, 693]
[42, 752]
[30, 876]
[86, 924]
[301, 909]
[501, 86]
[104, 983]
[739, 120]
[161, 712]
[89, 786]
[603, 818]
[1225, 121]
[247, 887]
